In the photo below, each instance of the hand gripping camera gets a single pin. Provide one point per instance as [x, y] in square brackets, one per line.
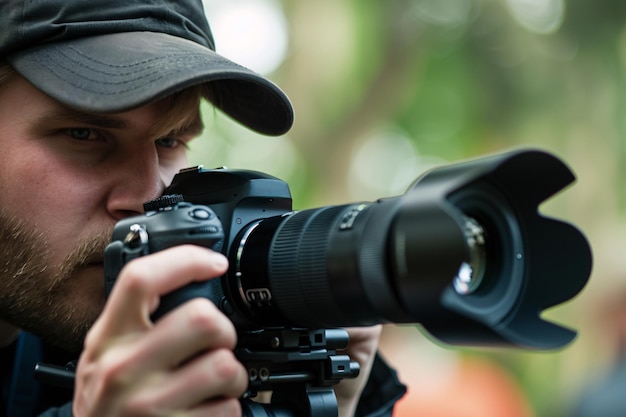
[464, 253]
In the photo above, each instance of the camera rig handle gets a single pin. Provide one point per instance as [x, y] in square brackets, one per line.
[299, 366]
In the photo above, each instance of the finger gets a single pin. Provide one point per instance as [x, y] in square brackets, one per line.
[144, 280]
[225, 407]
[211, 376]
[362, 348]
[363, 341]
[194, 327]
[183, 360]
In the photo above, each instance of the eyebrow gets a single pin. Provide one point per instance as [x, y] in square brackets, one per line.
[192, 129]
[99, 120]
[113, 122]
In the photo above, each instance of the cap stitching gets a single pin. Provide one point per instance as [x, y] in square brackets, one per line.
[134, 86]
[137, 82]
[216, 58]
[171, 58]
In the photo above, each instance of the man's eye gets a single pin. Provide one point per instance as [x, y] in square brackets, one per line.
[80, 133]
[168, 142]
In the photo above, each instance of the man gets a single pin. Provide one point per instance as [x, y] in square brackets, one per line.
[98, 99]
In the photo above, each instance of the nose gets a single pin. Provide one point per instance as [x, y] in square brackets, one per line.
[136, 180]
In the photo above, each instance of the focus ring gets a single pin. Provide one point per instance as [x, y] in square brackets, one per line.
[298, 267]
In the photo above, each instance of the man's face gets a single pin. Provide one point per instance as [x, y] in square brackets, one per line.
[66, 177]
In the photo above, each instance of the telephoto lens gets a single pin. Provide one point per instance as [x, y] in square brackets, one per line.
[464, 252]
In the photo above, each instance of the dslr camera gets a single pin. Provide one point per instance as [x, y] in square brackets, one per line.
[464, 253]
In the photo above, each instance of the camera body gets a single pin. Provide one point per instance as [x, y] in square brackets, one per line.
[209, 208]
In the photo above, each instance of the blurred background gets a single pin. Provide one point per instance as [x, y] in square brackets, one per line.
[385, 90]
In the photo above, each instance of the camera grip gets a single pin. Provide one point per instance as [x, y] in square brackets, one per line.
[211, 290]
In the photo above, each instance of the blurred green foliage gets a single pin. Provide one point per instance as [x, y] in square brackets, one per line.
[427, 82]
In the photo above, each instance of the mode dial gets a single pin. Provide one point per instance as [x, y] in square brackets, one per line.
[168, 200]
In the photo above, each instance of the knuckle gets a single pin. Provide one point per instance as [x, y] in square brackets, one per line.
[134, 278]
[231, 408]
[139, 406]
[204, 318]
[105, 377]
[227, 367]
[111, 371]
[218, 371]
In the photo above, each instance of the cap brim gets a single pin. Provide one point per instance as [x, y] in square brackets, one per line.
[122, 71]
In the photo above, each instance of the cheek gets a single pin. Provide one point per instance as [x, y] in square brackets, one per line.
[169, 169]
[44, 188]
[48, 196]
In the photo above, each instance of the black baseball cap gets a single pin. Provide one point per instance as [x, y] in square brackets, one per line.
[116, 55]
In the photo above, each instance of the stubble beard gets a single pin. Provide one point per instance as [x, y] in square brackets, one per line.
[38, 299]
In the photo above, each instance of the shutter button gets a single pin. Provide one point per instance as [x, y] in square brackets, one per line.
[200, 214]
